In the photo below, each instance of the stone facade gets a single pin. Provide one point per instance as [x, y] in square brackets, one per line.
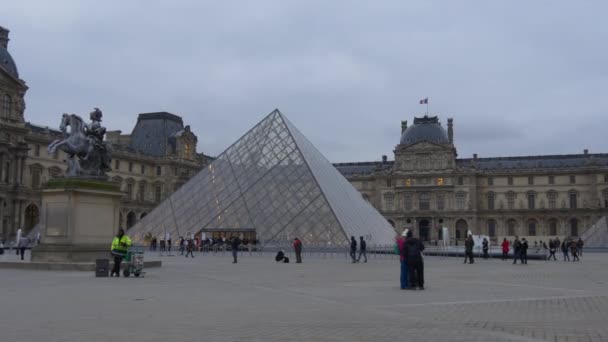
[150, 163]
[427, 187]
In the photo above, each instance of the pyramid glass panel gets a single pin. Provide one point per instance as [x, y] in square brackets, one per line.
[274, 182]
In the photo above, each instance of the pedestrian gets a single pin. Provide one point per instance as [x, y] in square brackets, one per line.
[552, 249]
[400, 244]
[579, 246]
[505, 249]
[163, 245]
[485, 247]
[17, 240]
[190, 248]
[415, 265]
[297, 246]
[353, 249]
[182, 245]
[362, 249]
[168, 241]
[564, 247]
[236, 242]
[516, 249]
[468, 249]
[120, 245]
[574, 250]
[22, 245]
[523, 253]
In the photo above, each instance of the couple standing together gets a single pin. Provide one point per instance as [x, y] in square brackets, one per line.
[412, 265]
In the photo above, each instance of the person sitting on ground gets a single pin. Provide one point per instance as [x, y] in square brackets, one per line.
[281, 257]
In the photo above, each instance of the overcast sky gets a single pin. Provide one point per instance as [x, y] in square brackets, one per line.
[518, 77]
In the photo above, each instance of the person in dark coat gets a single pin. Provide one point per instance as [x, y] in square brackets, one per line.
[353, 249]
[468, 249]
[485, 246]
[565, 250]
[362, 249]
[516, 249]
[413, 251]
[523, 253]
[297, 246]
[552, 248]
[579, 246]
[281, 257]
[574, 250]
[235, 243]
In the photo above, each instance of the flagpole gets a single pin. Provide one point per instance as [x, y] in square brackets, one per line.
[427, 106]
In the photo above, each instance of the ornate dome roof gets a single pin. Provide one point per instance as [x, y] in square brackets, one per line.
[7, 63]
[425, 129]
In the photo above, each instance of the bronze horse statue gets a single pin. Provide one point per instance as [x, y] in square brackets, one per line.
[88, 154]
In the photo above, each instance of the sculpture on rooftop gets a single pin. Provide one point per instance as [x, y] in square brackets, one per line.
[88, 155]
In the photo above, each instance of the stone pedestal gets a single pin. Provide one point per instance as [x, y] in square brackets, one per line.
[79, 220]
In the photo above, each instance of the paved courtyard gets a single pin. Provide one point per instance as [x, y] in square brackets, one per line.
[324, 299]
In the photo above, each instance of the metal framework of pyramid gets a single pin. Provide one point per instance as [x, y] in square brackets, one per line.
[275, 182]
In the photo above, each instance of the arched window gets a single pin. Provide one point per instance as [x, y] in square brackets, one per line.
[492, 228]
[552, 227]
[131, 219]
[461, 228]
[532, 228]
[511, 227]
[6, 105]
[574, 227]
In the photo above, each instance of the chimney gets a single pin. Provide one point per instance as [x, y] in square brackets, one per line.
[4, 37]
[475, 156]
[586, 151]
[451, 130]
[403, 126]
[384, 159]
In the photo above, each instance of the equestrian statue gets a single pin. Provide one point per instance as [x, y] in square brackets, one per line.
[88, 155]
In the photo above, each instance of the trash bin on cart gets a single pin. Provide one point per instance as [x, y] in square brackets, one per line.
[134, 260]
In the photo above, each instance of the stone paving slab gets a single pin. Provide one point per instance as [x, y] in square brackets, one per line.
[324, 299]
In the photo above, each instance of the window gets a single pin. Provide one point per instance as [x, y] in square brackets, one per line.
[440, 201]
[408, 201]
[531, 200]
[7, 169]
[424, 201]
[510, 180]
[36, 179]
[572, 179]
[573, 201]
[510, 200]
[440, 181]
[511, 225]
[530, 180]
[532, 228]
[130, 167]
[408, 182]
[389, 183]
[574, 227]
[117, 165]
[130, 191]
[490, 180]
[460, 180]
[142, 169]
[37, 150]
[552, 199]
[6, 106]
[142, 191]
[491, 201]
[157, 193]
[491, 228]
[388, 201]
[551, 179]
[461, 200]
[553, 227]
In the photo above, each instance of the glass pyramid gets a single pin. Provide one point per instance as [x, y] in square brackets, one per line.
[272, 182]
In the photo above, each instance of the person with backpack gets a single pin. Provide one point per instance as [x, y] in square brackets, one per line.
[516, 249]
[415, 265]
[468, 249]
[362, 249]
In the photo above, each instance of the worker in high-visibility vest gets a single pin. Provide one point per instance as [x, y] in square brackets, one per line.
[120, 245]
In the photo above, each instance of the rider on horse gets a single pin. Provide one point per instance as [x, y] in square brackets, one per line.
[94, 133]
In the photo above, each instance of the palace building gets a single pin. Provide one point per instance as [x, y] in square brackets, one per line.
[150, 163]
[427, 187]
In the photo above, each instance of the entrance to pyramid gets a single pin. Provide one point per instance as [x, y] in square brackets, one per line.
[224, 234]
[272, 185]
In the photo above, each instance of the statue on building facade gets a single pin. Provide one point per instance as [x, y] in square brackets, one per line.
[88, 155]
